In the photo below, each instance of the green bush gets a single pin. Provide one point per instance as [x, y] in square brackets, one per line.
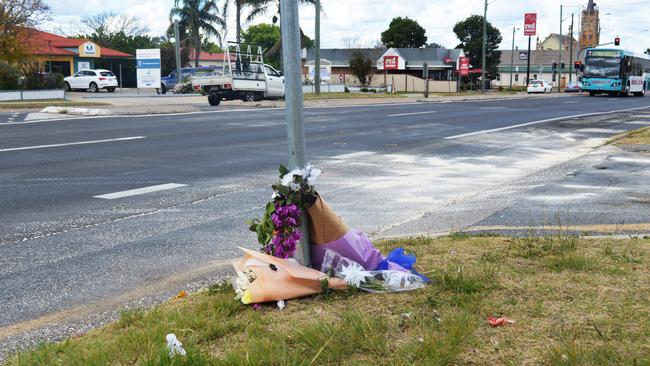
[364, 90]
[9, 77]
[347, 90]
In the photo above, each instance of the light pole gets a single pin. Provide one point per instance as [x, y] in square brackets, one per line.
[317, 51]
[559, 62]
[483, 49]
[512, 54]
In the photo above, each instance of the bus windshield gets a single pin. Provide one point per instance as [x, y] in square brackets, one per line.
[603, 67]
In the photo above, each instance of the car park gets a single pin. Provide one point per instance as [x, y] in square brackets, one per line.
[539, 86]
[91, 80]
[573, 87]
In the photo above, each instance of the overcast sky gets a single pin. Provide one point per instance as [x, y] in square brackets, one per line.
[364, 20]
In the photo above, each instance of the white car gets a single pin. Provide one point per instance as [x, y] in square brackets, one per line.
[539, 86]
[93, 80]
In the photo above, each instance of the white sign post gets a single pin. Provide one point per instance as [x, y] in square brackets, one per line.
[148, 63]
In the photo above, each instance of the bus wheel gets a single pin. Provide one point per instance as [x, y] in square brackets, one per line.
[592, 94]
[641, 93]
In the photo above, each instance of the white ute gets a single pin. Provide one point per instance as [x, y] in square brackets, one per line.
[245, 76]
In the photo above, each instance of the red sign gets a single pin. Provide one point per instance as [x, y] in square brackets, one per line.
[530, 24]
[391, 62]
[463, 66]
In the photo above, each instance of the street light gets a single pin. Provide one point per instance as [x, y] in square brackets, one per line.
[512, 54]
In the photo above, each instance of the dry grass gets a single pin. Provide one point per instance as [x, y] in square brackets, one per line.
[48, 103]
[641, 136]
[576, 302]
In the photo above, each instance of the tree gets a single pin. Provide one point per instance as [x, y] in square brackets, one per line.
[239, 6]
[265, 36]
[111, 22]
[434, 45]
[470, 34]
[197, 16]
[361, 67]
[404, 33]
[210, 47]
[15, 15]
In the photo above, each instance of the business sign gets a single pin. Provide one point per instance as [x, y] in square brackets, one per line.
[89, 49]
[391, 62]
[530, 24]
[325, 72]
[148, 65]
[463, 66]
[523, 56]
[83, 65]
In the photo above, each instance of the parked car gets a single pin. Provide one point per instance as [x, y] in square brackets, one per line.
[92, 80]
[539, 86]
[169, 82]
[573, 87]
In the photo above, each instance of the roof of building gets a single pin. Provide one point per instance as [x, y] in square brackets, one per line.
[415, 57]
[538, 57]
[44, 43]
[207, 56]
[561, 38]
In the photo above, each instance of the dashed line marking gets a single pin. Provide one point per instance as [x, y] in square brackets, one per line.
[411, 114]
[138, 191]
[72, 143]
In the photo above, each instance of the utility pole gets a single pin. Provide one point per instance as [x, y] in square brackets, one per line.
[528, 64]
[317, 51]
[177, 47]
[294, 114]
[571, 50]
[559, 62]
[512, 55]
[484, 42]
[425, 73]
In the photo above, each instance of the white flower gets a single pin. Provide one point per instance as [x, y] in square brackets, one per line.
[312, 174]
[281, 304]
[242, 281]
[353, 274]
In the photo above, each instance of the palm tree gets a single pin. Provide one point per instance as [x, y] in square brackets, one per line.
[239, 6]
[196, 16]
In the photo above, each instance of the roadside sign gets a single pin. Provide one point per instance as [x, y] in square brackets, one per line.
[325, 72]
[391, 62]
[463, 66]
[148, 64]
[530, 24]
[523, 56]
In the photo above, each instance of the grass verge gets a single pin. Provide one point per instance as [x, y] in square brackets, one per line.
[311, 96]
[48, 103]
[640, 136]
[575, 302]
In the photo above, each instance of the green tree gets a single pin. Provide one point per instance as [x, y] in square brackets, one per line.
[266, 36]
[434, 45]
[404, 33]
[198, 16]
[361, 67]
[211, 47]
[239, 7]
[470, 34]
[15, 15]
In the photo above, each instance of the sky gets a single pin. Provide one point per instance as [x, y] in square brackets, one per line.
[363, 21]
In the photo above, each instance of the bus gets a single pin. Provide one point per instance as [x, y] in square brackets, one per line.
[615, 71]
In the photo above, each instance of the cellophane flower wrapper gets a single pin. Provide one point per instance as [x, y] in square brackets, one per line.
[370, 281]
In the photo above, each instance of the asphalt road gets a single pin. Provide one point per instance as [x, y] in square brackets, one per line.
[74, 233]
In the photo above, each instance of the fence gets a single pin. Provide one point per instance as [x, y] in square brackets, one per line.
[12, 95]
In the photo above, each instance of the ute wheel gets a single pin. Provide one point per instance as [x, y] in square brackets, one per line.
[213, 100]
[110, 90]
[66, 86]
[250, 97]
[93, 88]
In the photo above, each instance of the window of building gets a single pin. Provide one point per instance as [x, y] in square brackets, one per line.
[516, 77]
[59, 67]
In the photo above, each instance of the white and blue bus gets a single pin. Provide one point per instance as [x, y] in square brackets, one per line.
[615, 71]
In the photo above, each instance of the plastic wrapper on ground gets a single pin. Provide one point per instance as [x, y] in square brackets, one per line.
[370, 281]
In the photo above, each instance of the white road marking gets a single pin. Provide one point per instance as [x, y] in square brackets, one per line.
[135, 192]
[354, 155]
[637, 123]
[411, 114]
[73, 143]
[493, 107]
[540, 121]
[573, 102]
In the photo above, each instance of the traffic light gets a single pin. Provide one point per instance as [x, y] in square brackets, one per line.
[554, 65]
[562, 66]
[578, 65]
[617, 41]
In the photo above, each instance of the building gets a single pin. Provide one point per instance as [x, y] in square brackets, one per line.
[541, 67]
[207, 59]
[554, 40]
[590, 26]
[68, 55]
[403, 68]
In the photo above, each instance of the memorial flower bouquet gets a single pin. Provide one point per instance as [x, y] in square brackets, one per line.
[278, 231]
